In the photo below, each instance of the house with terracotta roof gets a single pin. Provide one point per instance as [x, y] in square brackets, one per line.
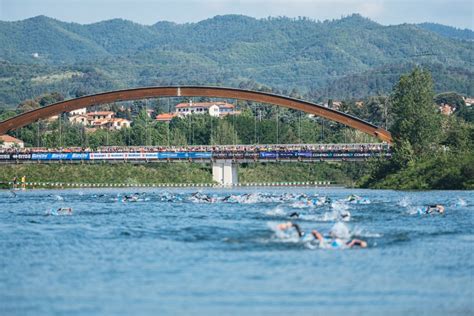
[99, 115]
[118, 123]
[216, 109]
[79, 119]
[166, 117]
[7, 141]
[100, 119]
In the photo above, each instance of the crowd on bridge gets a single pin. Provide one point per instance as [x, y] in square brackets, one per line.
[363, 148]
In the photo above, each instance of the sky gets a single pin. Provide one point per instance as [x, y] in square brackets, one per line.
[458, 13]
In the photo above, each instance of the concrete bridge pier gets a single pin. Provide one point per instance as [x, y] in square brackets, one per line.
[224, 172]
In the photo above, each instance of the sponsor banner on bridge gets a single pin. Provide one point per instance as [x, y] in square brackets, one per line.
[200, 155]
[305, 154]
[363, 154]
[169, 155]
[268, 155]
[21, 156]
[288, 154]
[60, 156]
[150, 156]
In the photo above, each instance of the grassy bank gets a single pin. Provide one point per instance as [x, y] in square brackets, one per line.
[110, 173]
[443, 172]
[172, 173]
[294, 172]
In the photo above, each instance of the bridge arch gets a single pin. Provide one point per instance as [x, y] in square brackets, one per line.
[193, 91]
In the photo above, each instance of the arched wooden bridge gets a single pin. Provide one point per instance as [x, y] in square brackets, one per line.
[193, 91]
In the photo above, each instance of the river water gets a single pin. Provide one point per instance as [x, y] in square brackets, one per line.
[169, 253]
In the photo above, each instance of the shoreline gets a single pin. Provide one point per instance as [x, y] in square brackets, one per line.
[64, 185]
[275, 185]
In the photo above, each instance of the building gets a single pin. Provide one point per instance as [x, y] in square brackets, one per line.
[469, 101]
[333, 105]
[446, 109]
[118, 123]
[99, 115]
[7, 141]
[166, 117]
[216, 109]
[79, 119]
[82, 111]
[100, 119]
[52, 118]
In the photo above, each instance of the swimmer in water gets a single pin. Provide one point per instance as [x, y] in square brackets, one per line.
[130, 198]
[436, 208]
[61, 211]
[289, 225]
[66, 210]
[202, 197]
[345, 215]
[295, 214]
[336, 241]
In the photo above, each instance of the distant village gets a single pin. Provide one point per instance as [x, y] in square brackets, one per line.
[107, 119]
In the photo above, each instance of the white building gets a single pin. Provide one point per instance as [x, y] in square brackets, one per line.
[99, 115]
[82, 111]
[216, 109]
[79, 119]
[118, 123]
[468, 100]
[7, 141]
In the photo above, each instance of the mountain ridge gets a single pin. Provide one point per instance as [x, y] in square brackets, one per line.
[282, 53]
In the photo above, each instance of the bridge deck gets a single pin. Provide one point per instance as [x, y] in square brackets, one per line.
[239, 153]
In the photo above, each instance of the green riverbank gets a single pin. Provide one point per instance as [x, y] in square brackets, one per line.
[188, 173]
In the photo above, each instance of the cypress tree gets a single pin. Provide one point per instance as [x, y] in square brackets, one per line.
[417, 121]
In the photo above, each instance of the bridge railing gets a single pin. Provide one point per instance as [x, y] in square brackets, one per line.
[360, 147]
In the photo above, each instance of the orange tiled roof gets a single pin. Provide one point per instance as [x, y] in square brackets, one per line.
[101, 113]
[10, 139]
[165, 116]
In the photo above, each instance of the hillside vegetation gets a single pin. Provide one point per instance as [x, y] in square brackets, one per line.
[154, 173]
[345, 58]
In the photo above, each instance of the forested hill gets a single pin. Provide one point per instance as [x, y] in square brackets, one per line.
[349, 57]
[462, 34]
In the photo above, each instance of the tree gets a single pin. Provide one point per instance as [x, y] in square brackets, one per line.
[28, 105]
[451, 98]
[458, 134]
[417, 120]
[224, 134]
